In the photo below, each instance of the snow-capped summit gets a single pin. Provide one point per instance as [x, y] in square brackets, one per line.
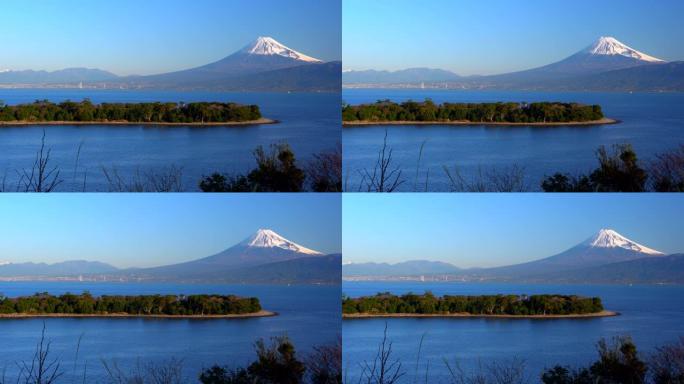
[266, 238]
[610, 46]
[608, 238]
[264, 45]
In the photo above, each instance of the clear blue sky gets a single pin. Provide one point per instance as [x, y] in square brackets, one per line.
[478, 229]
[494, 36]
[156, 229]
[152, 36]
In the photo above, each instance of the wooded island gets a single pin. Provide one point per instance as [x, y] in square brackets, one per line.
[427, 112]
[85, 112]
[87, 305]
[429, 305]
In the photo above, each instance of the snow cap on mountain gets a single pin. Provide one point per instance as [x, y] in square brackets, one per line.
[610, 46]
[266, 238]
[608, 238]
[264, 45]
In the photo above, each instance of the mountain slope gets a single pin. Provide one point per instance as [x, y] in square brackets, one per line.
[324, 77]
[646, 270]
[312, 270]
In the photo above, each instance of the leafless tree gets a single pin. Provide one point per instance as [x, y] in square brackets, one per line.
[509, 179]
[43, 369]
[165, 372]
[324, 365]
[498, 372]
[165, 180]
[383, 369]
[667, 171]
[666, 365]
[384, 177]
[42, 177]
[324, 171]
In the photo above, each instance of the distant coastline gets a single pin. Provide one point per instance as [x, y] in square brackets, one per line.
[603, 313]
[260, 121]
[261, 313]
[603, 121]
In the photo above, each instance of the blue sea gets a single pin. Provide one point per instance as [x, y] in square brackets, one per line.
[652, 315]
[309, 122]
[651, 122]
[308, 314]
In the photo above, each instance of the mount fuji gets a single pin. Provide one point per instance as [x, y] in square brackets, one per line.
[605, 247]
[605, 54]
[264, 64]
[263, 257]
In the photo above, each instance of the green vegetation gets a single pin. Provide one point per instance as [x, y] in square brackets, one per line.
[276, 362]
[428, 111]
[277, 171]
[86, 111]
[172, 305]
[621, 171]
[522, 305]
[619, 362]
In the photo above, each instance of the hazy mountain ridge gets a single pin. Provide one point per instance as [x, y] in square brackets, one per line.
[606, 257]
[65, 268]
[605, 65]
[264, 257]
[406, 268]
[263, 65]
[410, 75]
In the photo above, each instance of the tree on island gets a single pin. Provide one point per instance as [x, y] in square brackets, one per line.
[86, 111]
[508, 112]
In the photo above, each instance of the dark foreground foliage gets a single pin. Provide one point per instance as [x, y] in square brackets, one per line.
[85, 303]
[200, 112]
[546, 112]
[619, 170]
[277, 170]
[618, 362]
[278, 363]
[481, 305]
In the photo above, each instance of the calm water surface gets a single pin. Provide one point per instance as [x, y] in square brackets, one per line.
[652, 315]
[309, 315]
[652, 123]
[310, 123]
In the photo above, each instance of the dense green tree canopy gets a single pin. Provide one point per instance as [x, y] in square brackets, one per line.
[85, 303]
[85, 111]
[546, 112]
[386, 303]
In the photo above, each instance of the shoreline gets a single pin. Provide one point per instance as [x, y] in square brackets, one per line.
[361, 123]
[260, 121]
[262, 313]
[352, 316]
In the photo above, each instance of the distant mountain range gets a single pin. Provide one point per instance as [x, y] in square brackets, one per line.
[264, 257]
[263, 65]
[606, 257]
[605, 65]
